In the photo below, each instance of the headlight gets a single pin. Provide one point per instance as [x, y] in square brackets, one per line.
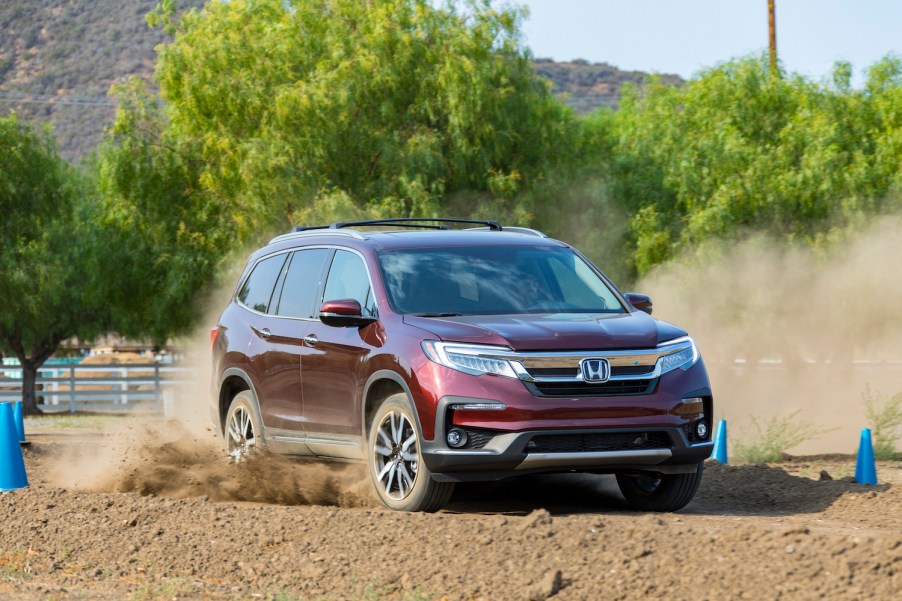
[473, 359]
[683, 358]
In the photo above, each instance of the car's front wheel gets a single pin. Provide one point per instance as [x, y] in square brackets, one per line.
[660, 492]
[401, 479]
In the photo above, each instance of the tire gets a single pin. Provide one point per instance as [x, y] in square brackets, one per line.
[400, 478]
[667, 492]
[243, 433]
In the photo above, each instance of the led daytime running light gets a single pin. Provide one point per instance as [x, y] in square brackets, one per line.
[683, 358]
[468, 358]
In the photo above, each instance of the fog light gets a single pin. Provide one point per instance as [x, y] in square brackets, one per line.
[456, 438]
[702, 430]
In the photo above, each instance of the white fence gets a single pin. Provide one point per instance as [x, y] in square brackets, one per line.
[97, 387]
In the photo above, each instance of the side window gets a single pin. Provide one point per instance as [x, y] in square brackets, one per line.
[301, 283]
[257, 290]
[348, 279]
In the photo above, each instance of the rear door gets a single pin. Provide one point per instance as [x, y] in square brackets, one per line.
[332, 363]
[266, 368]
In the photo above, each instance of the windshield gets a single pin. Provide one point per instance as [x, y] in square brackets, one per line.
[493, 280]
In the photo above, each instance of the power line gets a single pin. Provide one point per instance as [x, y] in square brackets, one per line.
[61, 99]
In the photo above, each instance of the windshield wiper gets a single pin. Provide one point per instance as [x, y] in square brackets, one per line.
[437, 314]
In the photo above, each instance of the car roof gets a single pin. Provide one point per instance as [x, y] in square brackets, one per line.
[418, 238]
[410, 233]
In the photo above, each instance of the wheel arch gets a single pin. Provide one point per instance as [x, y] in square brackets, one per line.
[381, 385]
[232, 382]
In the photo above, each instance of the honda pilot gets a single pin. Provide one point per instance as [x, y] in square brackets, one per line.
[440, 351]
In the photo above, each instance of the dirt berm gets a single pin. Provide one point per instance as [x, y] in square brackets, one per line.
[191, 527]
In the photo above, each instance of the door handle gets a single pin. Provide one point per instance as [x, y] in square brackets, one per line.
[310, 340]
[265, 333]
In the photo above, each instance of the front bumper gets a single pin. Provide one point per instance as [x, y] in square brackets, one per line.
[508, 455]
[510, 426]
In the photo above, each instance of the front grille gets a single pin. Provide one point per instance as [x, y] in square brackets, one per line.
[584, 389]
[573, 372]
[554, 372]
[587, 443]
[631, 370]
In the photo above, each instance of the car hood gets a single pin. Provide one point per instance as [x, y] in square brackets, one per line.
[554, 331]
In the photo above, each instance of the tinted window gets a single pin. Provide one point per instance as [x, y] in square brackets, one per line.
[348, 279]
[301, 283]
[494, 280]
[257, 290]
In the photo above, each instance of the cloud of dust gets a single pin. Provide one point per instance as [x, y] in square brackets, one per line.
[783, 328]
[166, 460]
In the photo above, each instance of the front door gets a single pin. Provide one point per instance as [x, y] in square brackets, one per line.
[332, 362]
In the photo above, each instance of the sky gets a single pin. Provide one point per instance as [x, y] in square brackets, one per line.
[686, 36]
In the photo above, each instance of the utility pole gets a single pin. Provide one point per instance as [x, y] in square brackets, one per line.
[772, 28]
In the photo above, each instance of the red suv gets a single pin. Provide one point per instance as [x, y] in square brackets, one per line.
[441, 355]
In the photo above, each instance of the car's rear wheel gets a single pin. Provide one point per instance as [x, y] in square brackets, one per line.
[242, 428]
[401, 479]
[660, 492]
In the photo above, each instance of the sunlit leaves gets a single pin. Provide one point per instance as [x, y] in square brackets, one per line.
[737, 150]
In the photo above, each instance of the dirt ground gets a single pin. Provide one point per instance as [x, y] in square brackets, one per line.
[159, 515]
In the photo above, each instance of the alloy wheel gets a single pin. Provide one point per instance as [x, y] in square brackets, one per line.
[396, 455]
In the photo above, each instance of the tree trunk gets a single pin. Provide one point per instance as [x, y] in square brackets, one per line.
[30, 365]
[29, 397]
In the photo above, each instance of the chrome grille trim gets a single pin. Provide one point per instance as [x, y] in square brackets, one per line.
[521, 362]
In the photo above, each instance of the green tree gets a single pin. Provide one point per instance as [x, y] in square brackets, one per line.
[47, 251]
[164, 235]
[396, 104]
[737, 150]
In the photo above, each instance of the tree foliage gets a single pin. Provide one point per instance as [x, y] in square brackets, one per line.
[737, 149]
[164, 234]
[47, 251]
[395, 103]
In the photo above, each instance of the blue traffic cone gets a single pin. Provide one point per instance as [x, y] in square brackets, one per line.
[12, 465]
[720, 442]
[865, 467]
[20, 423]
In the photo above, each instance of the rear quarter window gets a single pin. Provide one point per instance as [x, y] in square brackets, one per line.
[256, 293]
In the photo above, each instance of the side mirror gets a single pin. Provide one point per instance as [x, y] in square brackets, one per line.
[639, 301]
[344, 313]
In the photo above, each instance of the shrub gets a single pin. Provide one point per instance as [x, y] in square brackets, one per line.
[884, 417]
[773, 438]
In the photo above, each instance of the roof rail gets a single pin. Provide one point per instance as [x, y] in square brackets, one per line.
[304, 233]
[404, 222]
[513, 230]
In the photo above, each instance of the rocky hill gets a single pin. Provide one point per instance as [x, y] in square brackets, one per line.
[58, 59]
[586, 86]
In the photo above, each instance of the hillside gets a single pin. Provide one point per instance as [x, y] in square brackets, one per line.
[58, 59]
[586, 86]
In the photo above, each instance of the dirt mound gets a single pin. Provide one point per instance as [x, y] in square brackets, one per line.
[764, 489]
